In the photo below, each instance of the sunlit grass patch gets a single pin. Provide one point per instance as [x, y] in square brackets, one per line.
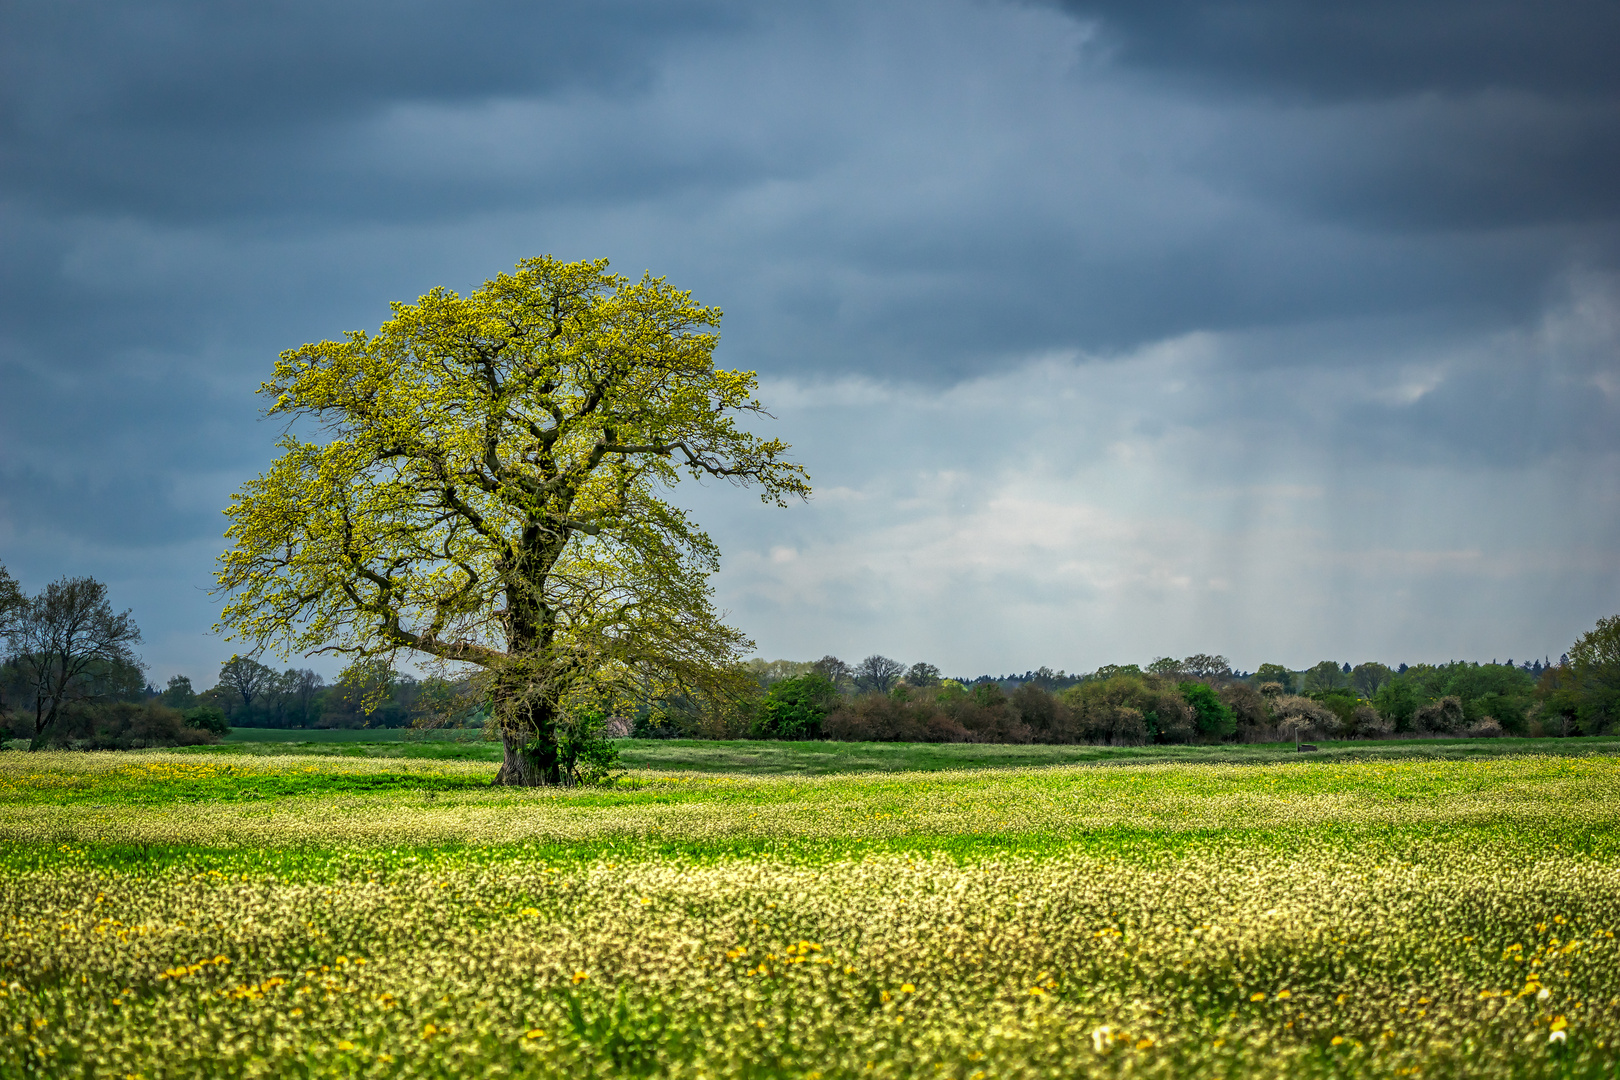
[1427, 918]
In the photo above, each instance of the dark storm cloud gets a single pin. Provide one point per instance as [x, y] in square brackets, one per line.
[1439, 114]
[1359, 49]
[191, 110]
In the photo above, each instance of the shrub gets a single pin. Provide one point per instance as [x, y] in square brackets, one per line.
[1126, 710]
[876, 718]
[1248, 706]
[124, 725]
[795, 708]
[1443, 717]
[209, 718]
[1116, 725]
[1496, 690]
[585, 753]
[996, 723]
[1342, 703]
[1366, 723]
[989, 694]
[1048, 719]
[1299, 717]
[1213, 717]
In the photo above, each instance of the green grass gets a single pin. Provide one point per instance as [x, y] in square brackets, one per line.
[328, 736]
[770, 758]
[1426, 909]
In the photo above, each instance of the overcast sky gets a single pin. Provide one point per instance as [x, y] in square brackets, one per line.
[1285, 330]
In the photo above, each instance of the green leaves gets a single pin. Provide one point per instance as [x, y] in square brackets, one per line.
[489, 489]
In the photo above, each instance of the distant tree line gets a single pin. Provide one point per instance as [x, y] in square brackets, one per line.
[70, 677]
[1198, 698]
[250, 693]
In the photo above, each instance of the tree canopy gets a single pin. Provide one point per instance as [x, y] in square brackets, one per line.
[489, 491]
[68, 645]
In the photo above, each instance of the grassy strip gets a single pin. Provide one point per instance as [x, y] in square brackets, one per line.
[826, 758]
[156, 777]
[171, 800]
[1376, 842]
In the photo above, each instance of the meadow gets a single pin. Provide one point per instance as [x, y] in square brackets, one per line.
[255, 910]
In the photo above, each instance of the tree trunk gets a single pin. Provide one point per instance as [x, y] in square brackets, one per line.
[42, 729]
[528, 761]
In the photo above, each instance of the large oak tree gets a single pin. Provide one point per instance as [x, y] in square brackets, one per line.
[484, 481]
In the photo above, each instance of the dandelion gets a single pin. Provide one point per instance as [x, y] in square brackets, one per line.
[444, 904]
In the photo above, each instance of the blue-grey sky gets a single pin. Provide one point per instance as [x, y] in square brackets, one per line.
[1279, 329]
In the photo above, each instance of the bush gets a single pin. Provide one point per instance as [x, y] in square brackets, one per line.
[1299, 717]
[995, 723]
[795, 708]
[1342, 703]
[123, 725]
[876, 718]
[1127, 710]
[1496, 690]
[1443, 717]
[209, 718]
[1046, 717]
[1213, 717]
[1248, 707]
[585, 753]
[1366, 723]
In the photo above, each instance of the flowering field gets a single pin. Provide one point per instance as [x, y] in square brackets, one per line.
[166, 915]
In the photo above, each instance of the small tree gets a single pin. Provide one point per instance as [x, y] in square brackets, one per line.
[922, 676]
[1325, 676]
[1594, 660]
[248, 679]
[1207, 668]
[878, 674]
[1213, 717]
[1367, 679]
[1300, 716]
[1275, 673]
[12, 602]
[794, 708]
[179, 693]
[837, 672]
[489, 496]
[1442, 717]
[1296, 725]
[62, 640]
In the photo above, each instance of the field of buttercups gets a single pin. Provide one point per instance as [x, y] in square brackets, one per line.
[179, 917]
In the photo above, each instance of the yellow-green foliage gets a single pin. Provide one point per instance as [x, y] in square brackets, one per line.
[491, 487]
[1428, 919]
